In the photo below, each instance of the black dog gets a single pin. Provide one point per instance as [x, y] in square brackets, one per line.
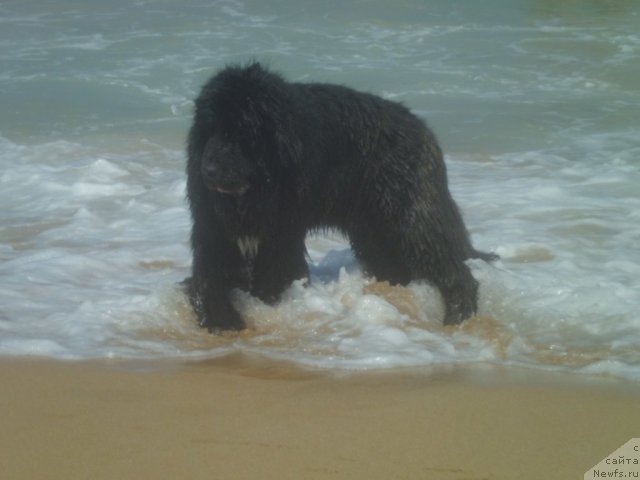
[270, 160]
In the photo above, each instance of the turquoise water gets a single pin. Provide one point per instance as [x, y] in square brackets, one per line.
[536, 104]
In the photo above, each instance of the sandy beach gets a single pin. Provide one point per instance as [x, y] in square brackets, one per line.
[240, 419]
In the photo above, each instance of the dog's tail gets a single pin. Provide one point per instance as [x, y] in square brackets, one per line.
[486, 256]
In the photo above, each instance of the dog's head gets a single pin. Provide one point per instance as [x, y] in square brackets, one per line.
[227, 169]
[234, 144]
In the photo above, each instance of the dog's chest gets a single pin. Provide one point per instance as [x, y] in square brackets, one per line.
[248, 246]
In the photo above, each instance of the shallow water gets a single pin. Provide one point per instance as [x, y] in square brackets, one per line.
[536, 104]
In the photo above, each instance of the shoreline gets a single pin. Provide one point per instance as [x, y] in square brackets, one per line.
[240, 417]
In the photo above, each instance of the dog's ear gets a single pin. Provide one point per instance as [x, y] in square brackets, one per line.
[288, 144]
[290, 156]
[199, 135]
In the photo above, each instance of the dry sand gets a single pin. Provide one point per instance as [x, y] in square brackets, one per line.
[238, 419]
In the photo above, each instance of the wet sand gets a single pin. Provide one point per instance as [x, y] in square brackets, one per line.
[243, 419]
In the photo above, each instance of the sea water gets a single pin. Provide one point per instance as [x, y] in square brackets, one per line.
[537, 107]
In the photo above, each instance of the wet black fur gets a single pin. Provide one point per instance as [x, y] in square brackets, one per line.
[270, 160]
